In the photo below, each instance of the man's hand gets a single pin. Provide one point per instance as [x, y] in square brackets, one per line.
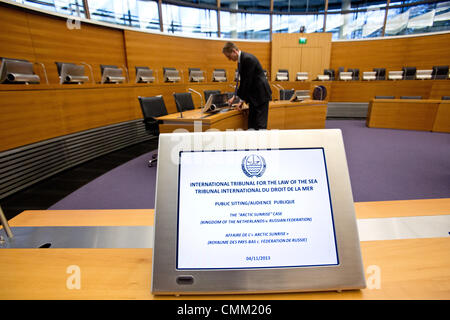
[239, 105]
[230, 101]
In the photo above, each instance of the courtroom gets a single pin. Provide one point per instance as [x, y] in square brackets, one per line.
[225, 149]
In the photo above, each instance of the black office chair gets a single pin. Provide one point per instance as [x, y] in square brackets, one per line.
[282, 75]
[355, 73]
[207, 93]
[319, 93]
[409, 73]
[152, 107]
[184, 101]
[380, 73]
[440, 72]
[330, 73]
[286, 94]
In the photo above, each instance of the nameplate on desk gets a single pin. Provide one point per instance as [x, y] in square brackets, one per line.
[274, 205]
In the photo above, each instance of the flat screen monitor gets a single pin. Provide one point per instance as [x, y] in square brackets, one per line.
[217, 102]
[144, 75]
[300, 95]
[72, 73]
[17, 71]
[248, 211]
[112, 75]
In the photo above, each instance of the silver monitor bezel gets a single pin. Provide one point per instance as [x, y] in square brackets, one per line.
[348, 274]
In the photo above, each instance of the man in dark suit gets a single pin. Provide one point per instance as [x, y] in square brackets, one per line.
[252, 87]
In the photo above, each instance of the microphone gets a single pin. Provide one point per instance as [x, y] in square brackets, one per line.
[45, 71]
[126, 73]
[4, 223]
[201, 98]
[179, 107]
[90, 68]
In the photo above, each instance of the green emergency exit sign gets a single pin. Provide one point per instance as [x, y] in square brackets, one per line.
[302, 40]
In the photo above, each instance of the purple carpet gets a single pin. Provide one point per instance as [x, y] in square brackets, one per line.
[387, 164]
[384, 164]
[129, 186]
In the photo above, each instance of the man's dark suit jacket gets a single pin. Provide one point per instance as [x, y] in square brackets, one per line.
[254, 87]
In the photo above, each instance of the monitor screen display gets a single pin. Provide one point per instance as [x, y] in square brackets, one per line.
[220, 100]
[247, 209]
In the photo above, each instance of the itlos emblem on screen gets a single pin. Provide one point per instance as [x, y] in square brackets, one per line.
[253, 165]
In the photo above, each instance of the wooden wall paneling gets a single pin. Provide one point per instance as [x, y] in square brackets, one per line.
[351, 92]
[159, 51]
[15, 37]
[83, 109]
[54, 41]
[412, 88]
[442, 121]
[28, 117]
[311, 63]
[295, 61]
[440, 88]
[142, 51]
[364, 55]
[98, 107]
[422, 52]
[314, 55]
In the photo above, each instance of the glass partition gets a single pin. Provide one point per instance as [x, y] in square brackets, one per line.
[250, 19]
[250, 5]
[429, 17]
[356, 24]
[298, 6]
[283, 23]
[69, 7]
[238, 25]
[189, 21]
[113, 12]
[148, 15]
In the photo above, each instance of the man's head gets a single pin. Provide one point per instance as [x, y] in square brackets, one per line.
[231, 51]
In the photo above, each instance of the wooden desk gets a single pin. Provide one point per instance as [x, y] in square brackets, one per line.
[309, 114]
[409, 269]
[402, 114]
[364, 91]
[195, 120]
